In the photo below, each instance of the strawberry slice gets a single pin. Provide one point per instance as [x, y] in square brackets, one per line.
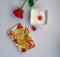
[23, 49]
[15, 40]
[32, 44]
[19, 26]
[10, 33]
[26, 30]
[40, 17]
[34, 28]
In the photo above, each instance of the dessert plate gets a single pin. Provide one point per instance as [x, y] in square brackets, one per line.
[38, 16]
[20, 35]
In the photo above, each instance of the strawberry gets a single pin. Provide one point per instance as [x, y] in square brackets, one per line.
[23, 49]
[19, 13]
[10, 33]
[15, 40]
[40, 17]
[19, 26]
[26, 30]
[34, 28]
[32, 44]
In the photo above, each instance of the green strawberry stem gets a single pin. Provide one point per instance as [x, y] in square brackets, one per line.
[23, 4]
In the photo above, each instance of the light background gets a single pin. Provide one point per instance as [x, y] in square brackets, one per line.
[46, 37]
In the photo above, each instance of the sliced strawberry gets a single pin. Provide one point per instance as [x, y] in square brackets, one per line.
[15, 40]
[19, 26]
[40, 17]
[26, 30]
[23, 49]
[32, 44]
[34, 28]
[19, 13]
[10, 33]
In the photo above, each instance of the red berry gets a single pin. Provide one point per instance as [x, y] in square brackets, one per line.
[34, 28]
[15, 40]
[23, 49]
[27, 30]
[19, 26]
[40, 17]
[32, 44]
[10, 33]
[18, 13]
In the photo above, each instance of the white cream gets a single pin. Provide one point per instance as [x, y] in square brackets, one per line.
[34, 16]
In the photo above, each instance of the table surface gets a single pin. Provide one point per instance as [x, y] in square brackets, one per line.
[46, 37]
